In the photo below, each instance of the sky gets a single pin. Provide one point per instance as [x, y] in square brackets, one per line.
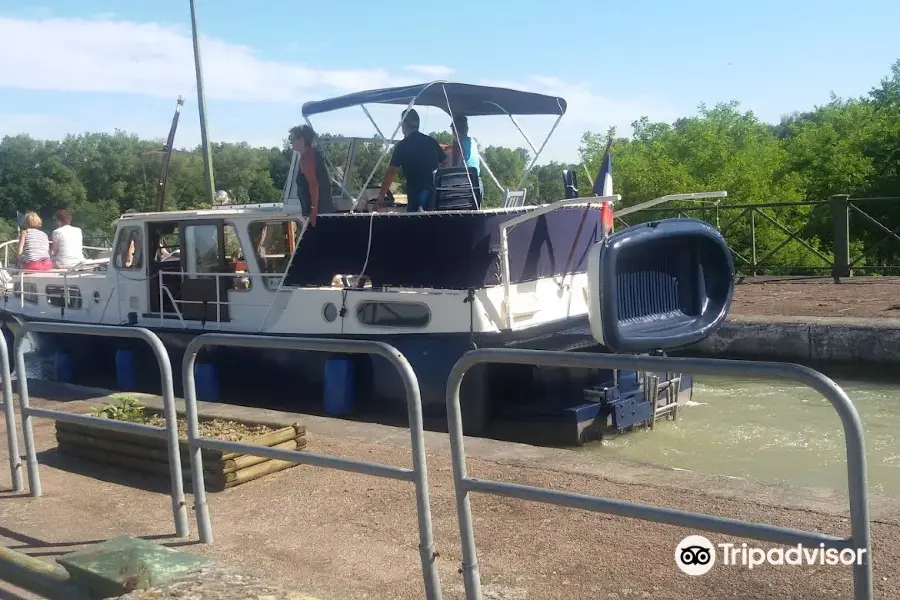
[101, 65]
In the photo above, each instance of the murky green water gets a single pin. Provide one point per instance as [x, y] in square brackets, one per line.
[772, 432]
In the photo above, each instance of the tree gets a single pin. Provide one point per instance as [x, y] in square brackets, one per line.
[846, 146]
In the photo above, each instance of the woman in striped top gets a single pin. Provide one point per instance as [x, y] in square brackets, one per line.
[34, 246]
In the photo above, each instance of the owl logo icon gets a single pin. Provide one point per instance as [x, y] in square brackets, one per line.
[695, 555]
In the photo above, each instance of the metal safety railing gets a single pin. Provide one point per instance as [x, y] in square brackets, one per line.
[169, 432]
[835, 235]
[9, 412]
[417, 475]
[860, 540]
[5, 246]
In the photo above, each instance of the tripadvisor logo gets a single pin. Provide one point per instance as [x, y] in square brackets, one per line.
[695, 555]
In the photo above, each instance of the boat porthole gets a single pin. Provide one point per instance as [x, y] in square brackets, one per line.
[96, 297]
[329, 312]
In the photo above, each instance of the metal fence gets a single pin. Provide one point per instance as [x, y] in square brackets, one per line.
[836, 236]
[9, 412]
[169, 432]
[417, 475]
[859, 539]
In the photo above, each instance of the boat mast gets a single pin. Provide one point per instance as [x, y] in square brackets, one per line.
[201, 104]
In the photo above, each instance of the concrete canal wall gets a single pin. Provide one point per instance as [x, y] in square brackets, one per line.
[863, 341]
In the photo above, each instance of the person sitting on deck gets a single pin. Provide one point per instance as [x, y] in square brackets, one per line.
[313, 184]
[465, 150]
[34, 246]
[418, 156]
[67, 250]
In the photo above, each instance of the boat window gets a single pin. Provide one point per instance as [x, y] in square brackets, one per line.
[237, 260]
[203, 252]
[273, 243]
[56, 296]
[130, 248]
[169, 249]
[31, 293]
[393, 314]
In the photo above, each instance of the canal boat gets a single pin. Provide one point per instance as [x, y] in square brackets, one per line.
[432, 284]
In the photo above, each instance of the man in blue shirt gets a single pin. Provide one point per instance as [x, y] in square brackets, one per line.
[417, 156]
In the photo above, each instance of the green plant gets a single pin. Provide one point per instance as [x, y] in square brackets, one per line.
[125, 408]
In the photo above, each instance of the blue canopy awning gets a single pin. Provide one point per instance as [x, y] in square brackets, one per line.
[467, 100]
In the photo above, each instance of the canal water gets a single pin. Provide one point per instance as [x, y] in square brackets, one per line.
[771, 432]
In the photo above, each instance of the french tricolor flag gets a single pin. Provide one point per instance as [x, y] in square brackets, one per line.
[603, 185]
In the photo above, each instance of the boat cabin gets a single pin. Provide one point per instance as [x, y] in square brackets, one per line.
[260, 268]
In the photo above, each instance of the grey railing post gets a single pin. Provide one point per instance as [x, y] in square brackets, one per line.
[860, 540]
[31, 463]
[418, 475]
[169, 432]
[9, 412]
[753, 238]
[840, 216]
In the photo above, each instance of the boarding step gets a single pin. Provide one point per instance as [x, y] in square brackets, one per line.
[656, 397]
[665, 394]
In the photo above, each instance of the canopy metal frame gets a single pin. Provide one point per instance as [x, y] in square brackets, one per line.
[475, 101]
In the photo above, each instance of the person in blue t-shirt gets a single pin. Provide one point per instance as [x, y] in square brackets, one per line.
[465, 149]
[417, 156]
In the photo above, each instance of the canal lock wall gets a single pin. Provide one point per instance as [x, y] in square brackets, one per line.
[859, 341]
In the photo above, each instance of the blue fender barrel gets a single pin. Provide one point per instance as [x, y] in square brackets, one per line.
[338, 388]
[63, 367]
[206, 380]
[125, 373]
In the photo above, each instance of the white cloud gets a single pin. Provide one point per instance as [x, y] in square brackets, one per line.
[104, 55]
[438, 71]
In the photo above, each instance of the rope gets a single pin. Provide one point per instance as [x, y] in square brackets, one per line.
[470, 300]
[177, 196]
[343, 311]
[144, 169]
[366, 184]
[369, 244]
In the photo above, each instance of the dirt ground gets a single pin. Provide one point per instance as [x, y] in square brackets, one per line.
[861, 297]
[342, 536]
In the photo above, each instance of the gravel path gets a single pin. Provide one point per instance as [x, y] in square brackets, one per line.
[873, 297]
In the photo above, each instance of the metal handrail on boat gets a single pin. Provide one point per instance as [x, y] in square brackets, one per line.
[533, 214]
[504, 244]
[7, 244]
